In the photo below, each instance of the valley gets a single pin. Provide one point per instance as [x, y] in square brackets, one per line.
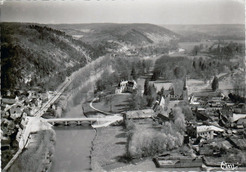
[160, 83]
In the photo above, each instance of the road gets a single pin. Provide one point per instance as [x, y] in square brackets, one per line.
[59, 92]
[39, 113]
[98, 109]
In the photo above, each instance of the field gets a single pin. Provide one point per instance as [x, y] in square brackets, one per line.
[108, 147]
[114, 103]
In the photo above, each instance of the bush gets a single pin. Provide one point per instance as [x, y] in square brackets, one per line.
[215, 84]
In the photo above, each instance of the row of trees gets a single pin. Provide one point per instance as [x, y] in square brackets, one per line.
[147, 142]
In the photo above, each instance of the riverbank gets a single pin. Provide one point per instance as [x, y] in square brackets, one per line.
[38, 153]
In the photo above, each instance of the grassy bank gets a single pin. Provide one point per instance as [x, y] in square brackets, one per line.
[108, 148]
[38, 154]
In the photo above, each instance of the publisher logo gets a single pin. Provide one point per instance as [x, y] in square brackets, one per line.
[228, 166]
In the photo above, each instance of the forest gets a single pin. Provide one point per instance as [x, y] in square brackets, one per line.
[39, 56]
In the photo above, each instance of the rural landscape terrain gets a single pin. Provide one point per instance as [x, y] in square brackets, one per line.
[122, 97]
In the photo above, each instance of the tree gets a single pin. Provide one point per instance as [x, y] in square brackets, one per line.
[146, 87]
[179, 72]
[195, 50]
[215, 84]
[108, 101]
[133, 73]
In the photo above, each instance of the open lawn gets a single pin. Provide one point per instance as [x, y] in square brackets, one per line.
[114, 103]
[109, 146]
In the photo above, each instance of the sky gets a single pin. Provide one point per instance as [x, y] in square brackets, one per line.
[124, 11]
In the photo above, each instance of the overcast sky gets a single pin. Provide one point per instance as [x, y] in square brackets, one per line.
[125, 11]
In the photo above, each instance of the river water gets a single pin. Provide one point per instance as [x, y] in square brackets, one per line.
[73, 145]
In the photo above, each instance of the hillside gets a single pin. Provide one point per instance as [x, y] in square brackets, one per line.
[213, 32]
[136, 34]
[43, 55]
[34, 55]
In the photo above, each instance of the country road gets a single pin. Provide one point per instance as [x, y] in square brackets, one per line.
[59, 92]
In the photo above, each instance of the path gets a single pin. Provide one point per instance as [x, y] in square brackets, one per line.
[98, 109]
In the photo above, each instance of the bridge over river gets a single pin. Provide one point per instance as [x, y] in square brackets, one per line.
[105, 121]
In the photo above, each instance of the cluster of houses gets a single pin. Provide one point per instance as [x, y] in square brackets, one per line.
[15, 109]
[217, 118]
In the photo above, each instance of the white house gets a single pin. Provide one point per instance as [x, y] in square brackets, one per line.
[126, 86]
[207, 131]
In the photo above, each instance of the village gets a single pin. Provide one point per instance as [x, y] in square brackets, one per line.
[19, 110]
[214, 123]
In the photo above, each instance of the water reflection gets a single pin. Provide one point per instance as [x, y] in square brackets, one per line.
[72, 150]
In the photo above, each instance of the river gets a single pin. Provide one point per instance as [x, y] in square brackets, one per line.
[73, 145]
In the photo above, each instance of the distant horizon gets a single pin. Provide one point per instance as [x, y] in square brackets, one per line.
[119, 23]
[158, 12]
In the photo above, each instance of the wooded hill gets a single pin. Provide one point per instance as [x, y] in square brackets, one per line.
[41, 55]
[134, 34]
[35, 55]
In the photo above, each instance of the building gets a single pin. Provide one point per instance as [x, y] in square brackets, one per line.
[126, 86]
[9, 100]
[162, 118]
[241, 123]
[214, 98]
[207, 131]
[236, 117]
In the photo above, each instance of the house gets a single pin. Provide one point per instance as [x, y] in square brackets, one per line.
[181, 50]
[162, 118]
[241, 123]
[198, 97]
[19, 135]
[32, 94]
[139, 114]
[9, 100]
[161, 102]
[236, 117]
[207, 132]
[126, 86]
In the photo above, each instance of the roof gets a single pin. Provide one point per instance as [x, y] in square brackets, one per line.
[163, 117]
[208, 94]
[241, 121]
[8, 101]
[236, 117]
[241, 143]
[205, 128]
